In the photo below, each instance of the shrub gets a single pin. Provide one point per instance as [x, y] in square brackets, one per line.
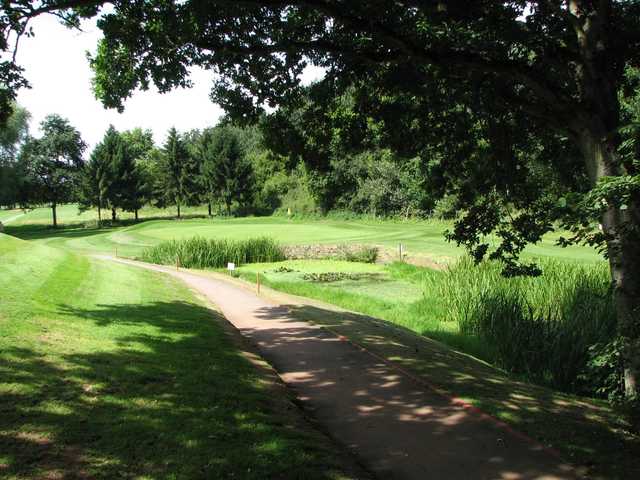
[604, 370]
[200, 252]
[361, 255]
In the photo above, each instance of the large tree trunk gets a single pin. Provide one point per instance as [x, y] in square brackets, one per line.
[596, 123]
[209, 207]
[620, 227]
[113, 214]
[99, 216]
[136, 214]
[178, 205]
[624, 261]
[54, 207]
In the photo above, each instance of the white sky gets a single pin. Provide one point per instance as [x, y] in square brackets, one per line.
[56, 66]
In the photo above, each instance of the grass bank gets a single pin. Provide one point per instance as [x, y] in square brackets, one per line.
[420, 239]
[587, 431]
[540, 328]
[108, 371]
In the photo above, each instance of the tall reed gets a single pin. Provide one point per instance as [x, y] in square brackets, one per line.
[540, 327]
[200, 252]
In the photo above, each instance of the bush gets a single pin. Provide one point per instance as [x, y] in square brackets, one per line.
[361, 255]
[604, 370]
[200, 252]
[546, 328]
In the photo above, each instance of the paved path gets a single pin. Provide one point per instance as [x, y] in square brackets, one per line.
[397, 427]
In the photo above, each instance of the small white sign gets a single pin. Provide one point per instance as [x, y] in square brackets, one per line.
[231, 266]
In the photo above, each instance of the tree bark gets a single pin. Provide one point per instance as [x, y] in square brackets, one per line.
[99, 216]
[623, 248]
[178, 205]
[209, 208]
[54, 206]
[113, 215]
[136, 214]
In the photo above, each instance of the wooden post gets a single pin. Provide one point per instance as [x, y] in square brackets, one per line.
[258, 281]
[400, 251]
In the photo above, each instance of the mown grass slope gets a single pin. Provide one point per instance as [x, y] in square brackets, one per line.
[419, 238]
[108, 371]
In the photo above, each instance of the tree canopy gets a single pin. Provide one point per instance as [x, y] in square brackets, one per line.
[53, 162]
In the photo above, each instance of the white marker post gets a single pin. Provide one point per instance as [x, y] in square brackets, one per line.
[231, 267]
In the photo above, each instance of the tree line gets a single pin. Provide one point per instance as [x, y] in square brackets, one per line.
[251, 169]
[126, 170]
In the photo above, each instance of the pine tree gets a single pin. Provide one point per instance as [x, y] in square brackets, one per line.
[225, 169]
[174, 172]
[95, 182]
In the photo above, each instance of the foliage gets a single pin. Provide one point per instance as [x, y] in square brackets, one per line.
[176, 174]
[363, 255]
[226, 171]
[199, 252]
[13, 133]
[53, 162]
[603, 373]
[95, 182]
[13, 180]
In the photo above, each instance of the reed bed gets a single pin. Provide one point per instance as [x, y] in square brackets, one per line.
[200, 252]
[541, 327]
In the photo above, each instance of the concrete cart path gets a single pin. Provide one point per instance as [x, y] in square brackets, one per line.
[398, 428]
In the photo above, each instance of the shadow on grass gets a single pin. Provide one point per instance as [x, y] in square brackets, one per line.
[586, 432]
[167, 395]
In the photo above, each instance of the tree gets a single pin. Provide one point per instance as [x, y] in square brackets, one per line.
[176, 172]
[95, 181]
[558, 64]
[134, 186]
[54, 162]
[225, 169]
[12, 175]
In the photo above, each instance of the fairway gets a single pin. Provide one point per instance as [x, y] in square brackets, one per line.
[109, 371]
[419, 238]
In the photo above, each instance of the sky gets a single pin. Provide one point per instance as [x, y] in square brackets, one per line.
[57, 68]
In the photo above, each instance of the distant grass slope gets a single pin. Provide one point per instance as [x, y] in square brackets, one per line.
[10, 215]
[419, 238]
[108, 371]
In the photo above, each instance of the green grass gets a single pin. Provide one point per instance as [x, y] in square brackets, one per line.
[108, 371]
[420, 239]
[394, 292]
[7, 216]
[539, 328]
[589, 432]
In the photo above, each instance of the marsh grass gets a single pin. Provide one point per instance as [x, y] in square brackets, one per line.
[539, 327]
[198, 252]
